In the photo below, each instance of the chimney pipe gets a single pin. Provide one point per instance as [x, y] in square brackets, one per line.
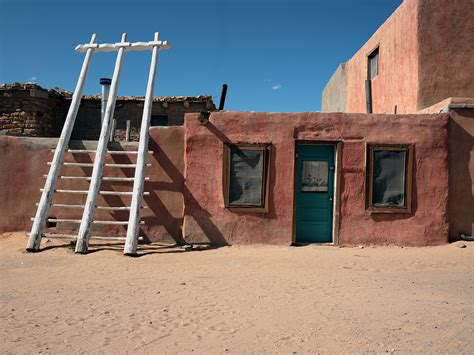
[223, 94]
[105, 82]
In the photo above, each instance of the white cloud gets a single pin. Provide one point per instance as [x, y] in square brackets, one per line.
[267, 80]
[33, 79]
[276, 87]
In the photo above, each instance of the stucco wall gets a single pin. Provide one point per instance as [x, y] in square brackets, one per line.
[334, 93]
[397, 81]
[446, 55]
[24, 162]
[207, 220]
[461, 173]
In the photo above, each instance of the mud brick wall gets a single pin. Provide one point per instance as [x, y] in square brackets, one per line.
[29, 110]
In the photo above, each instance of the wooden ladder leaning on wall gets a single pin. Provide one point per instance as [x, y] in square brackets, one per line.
[84, 234]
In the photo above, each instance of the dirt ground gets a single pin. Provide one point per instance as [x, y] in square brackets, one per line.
[258, 299]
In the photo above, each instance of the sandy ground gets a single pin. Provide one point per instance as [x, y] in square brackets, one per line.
[258, 299]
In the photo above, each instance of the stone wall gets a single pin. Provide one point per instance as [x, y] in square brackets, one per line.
[131, 108]
[30, 110]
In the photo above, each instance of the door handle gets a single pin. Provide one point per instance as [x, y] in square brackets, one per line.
[330, 198]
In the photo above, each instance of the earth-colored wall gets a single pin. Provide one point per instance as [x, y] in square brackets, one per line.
[334, 94]
[461, 173]
[24, 161]
[397, 81]
[207, 220]
[446, 50]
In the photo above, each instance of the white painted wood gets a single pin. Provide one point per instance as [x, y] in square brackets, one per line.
[86, 192]
[84, 230]
[34, 240]
[73, 237]
[132, 229]
[74, 151]
[65, 220]
[127, 132]
[88, 178]
[112, 130]
[114, 47]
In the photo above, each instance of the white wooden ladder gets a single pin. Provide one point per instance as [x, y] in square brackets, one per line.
[84, 234]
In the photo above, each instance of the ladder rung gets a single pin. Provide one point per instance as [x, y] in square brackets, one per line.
[62, 205]
[75, 164]
[105, 178]
[72, 236]
[112, 193]
[87, 151]
[81, 192]
[108, 208]
[64, 220]
[114, 222]
[113, 165]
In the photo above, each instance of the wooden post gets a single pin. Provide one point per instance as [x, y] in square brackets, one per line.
[127, 132]
[134, 218]
[34, 240]
[90, 205]
[112, 130]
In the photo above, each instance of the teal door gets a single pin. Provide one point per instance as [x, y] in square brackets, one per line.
[314, 193]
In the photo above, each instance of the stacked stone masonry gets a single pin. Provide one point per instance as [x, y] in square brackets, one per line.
[30, 110]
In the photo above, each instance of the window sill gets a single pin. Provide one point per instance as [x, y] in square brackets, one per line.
[389, 210]
[247, 209]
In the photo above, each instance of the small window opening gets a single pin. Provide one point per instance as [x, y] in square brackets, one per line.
[373, 64]
[159, 120]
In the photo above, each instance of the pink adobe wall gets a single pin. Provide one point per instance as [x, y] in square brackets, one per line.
[24, 162]
[207, 220]
[446, 50]
[397, 81]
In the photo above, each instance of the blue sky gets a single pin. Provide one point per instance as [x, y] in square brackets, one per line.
[274, 55]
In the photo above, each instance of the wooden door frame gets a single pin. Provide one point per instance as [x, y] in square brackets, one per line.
[337, 187]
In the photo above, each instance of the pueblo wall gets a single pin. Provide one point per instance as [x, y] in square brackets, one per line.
[397, 81]
[461, 173]
[207, 220]
[446, 42]
[24, 161]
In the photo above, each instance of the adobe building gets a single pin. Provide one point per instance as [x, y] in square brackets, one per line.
[420, 61]
[340, 178]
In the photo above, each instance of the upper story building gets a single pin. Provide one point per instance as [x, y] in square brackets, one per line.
[421, 55]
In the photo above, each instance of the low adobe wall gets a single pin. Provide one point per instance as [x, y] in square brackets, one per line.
[461, 173]
[207, 220]
[24, 161]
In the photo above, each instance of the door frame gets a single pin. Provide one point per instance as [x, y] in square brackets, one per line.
[337, 187]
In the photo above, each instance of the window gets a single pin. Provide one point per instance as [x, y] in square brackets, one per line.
[159, 120]
[389, 177]
[373, 64]
[246, 170]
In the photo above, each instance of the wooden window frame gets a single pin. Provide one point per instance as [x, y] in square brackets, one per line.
[266, 149]
[369, 175]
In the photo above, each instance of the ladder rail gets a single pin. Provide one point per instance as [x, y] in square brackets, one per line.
[34, 240]
[97, 170]
[131, 242]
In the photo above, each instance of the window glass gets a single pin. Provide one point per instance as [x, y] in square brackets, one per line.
[389, 178]
[314, 176]
[246, 177]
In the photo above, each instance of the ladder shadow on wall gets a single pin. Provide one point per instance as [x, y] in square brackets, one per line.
[174, 225]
